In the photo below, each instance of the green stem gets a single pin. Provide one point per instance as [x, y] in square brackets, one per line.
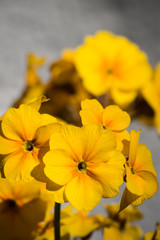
[57, 209]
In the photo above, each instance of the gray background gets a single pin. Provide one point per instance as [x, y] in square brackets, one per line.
[46, 27]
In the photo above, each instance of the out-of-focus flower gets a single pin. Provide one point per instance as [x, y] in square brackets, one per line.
[84, 165]
[34, 86]
[119, 227]
[130, 233]
[65, 89]
[111, 117]
[80, 224]
[153, 235]
[21, 208]
[141, 182]
[45, 229]
[24, 136]
[33, 64]
[129, 214]
[73, 224]
[107, 62]
[152, 95]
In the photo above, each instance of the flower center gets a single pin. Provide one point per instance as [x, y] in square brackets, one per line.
[11, 204]
[29, 145]
[109, 71]
[82, 166]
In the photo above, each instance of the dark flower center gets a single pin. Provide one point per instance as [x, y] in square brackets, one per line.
[109, 71]
[11, 204]
[29, 145]
[82, 166]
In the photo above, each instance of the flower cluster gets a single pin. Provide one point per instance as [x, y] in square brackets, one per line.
[72, 145]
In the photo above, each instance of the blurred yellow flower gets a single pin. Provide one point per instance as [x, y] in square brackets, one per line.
[84, 165]
[73, 224]
[80, 224]
[111, 117]
[33, 63]
[153, 235]
[23, 137]
[152, 95]
[107, 62]
[114, 233]
[21, 208]
[141, 182]
[129, 214]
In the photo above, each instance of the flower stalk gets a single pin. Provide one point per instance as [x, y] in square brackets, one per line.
[57, 221]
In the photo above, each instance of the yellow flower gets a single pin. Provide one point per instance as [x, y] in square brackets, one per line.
[130, 233]
[45, 229]
[153, 235]
[72, 224]
[84, 166]
[80, 224]
[25, 133]
[141, 182]
[152, 95]
[111, 117]
[129, 214]
[33, 63]
[21, 208]
[107, 62]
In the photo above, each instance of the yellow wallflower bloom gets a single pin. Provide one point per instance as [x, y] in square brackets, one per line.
[73, 224]
[107, 62]
[84, 165]
[152, 95]
[80, 224]
[21, 208]
[24, 134]
[111, 117]
[129, 214]
[141, 182]
[45, 229]
[153, 235]
[130, 233]
[33, 63]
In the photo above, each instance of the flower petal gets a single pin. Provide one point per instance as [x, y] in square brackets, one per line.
[71, 139]
[44, 133]
[84, 192]
[59, 166]
[36, 102]
[58, 191]
[22, 123]
[89, 62]
[47, 119]
[19, 165]
[134, 138]
[122, 137]
[143, 160]
[98, 139]
[9, 146]
[91, 112]
[141, 183]
[123, 98]
[110, 173]
[115, 119]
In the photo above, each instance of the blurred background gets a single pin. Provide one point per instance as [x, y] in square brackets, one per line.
[47, 27]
